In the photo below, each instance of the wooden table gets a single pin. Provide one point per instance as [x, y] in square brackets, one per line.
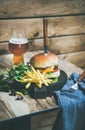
[15, 112]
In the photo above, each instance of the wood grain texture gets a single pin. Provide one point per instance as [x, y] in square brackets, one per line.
[59, 45]
[70, 32]
[10, 108]
[40, 8]
[13, 108]
[45, 119]
[47, 127]
[7, 62]
[58, 26]
[77, 58]
[69, 45]
[33, 28]
[70, 51]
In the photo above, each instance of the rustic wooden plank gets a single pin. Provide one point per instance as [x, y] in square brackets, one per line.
[44, 119]
[59, 45]
[47, 127]
[39, 7]
[77, 58]
[68, 44]
[10, 108]
[57, 26]
[13, 108]
[70, 52]
[7, 62]
[33, 28]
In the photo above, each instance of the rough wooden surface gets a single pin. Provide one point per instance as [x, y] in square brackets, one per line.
[6, 61]
[40, 7]
[10, 108]
[66, 26]
[57, 26]
[45, 121]
[66, 32]
[66, 36]
[59, 45]
[75, 58]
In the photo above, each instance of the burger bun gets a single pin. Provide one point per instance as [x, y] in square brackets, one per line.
[42, 60]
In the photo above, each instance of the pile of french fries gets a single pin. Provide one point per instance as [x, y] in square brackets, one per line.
[35, 76]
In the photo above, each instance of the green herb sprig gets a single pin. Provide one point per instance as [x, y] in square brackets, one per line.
[9, 80]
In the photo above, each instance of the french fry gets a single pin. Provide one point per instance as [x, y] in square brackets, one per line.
[39, 85]
[48, 81]
[24, 80]
[28, 73]
[27, 85]
[33, 69]
[41, 77]
[19, 93]
[35, 76]
[30, 76]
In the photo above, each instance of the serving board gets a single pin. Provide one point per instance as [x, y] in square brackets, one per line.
[44, 91]
[47, 91]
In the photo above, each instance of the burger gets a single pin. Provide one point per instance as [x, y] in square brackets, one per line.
[47, 63]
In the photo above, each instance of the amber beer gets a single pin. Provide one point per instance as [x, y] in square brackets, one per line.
[18, 46]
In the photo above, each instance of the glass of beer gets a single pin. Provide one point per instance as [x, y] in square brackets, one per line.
[18, 45]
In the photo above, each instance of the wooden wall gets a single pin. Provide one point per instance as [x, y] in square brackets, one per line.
[66, 26]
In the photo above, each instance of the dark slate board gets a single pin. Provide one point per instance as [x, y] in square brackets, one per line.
[45, 91]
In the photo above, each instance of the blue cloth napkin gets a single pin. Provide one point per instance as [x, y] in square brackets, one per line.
[72, 104]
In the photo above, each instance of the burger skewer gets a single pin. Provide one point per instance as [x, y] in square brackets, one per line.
[45, 33]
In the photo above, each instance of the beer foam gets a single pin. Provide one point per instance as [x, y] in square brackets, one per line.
[18, 40]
